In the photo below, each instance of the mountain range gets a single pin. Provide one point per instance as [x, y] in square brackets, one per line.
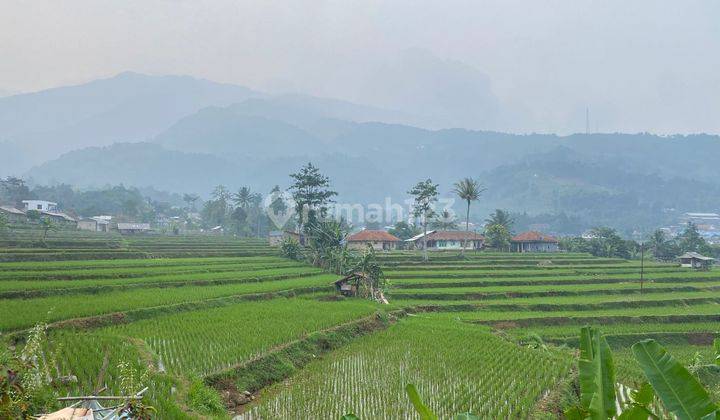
[182, 134]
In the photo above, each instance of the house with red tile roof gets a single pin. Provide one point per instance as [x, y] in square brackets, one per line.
[378, 239]
[534, 242]
[448, 240]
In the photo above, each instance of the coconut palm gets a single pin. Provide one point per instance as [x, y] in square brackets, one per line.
[243, 198]
[469, 190]
[502, 218]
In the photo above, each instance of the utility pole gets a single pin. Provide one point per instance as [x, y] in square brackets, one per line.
[642, 265]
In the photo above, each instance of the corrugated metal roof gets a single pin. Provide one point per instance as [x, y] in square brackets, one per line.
[12, 210]
[696, 256]
[133, 226]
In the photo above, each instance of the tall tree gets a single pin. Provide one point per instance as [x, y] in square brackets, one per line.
[47, 225]
[605, 242]
[497, 237]
[221, 193]
[425, 195]
[502, 218]
[662, 247]
[277, 204]
[469, 190]
[243, 198]
[404, 230]
[311, 192]
[13, 190]
[190, 199]
[690, 240]
[444, 221]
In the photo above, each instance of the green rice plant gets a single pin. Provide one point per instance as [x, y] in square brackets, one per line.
[22, 313]
[458, 367]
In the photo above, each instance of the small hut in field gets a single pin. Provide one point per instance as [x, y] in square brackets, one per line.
[695, 260]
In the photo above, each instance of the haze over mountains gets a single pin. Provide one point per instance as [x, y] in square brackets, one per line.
[183, 134]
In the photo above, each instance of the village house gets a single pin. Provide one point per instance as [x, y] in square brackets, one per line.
[59, 218]
[133, 228]
[534, 242]
[103, 223]
[13, 215]
[447, 240]
[88, 224]
[95, 224]
[695, 260]
[40, 205]
[377, 239]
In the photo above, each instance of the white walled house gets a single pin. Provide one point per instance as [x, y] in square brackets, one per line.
[378, 239]
[534, 242]
[448, 240]
[40, 205]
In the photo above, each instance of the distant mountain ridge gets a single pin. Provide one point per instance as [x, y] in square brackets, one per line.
[126, 107]
[249, 138]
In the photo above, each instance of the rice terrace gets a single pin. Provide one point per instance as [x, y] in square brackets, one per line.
[216, 325]
[359, 210]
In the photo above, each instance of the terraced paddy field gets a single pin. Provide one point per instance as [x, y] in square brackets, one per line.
[29, 244]
[491, 333]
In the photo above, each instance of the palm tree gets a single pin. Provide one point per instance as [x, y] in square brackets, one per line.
[502, 218]
[469, 190]
[190, 199]
[243, 197]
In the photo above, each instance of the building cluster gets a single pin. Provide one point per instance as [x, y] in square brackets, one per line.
[35, 210]
[436, 240]
[707, 225]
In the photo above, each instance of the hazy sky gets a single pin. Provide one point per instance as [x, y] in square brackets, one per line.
[640, 65]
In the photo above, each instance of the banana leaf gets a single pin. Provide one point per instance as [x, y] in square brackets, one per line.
[679, 390]
[424, 412]
[597, 375]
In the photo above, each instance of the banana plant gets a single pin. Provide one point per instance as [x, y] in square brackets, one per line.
[639, 406]
[680, 392]
[597, 378]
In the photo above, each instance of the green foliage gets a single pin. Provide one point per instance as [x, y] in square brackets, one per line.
[425, 194]
[311, 192]
[368, 265]
[457, 367]
[203, 399]
[691, 241]
[422, 410]
[597, 375]
[469, 190]
[679, 390]
[404, 230]
[497, 237]
[290, 248]
[13, 190]
[639, 405]
[603, 242]
[502, 218]
[325, 244]
[26, 379]
[662, 247]
[444, 221]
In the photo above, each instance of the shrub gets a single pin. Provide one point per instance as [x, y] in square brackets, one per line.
[204, 399]
[290, 248]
